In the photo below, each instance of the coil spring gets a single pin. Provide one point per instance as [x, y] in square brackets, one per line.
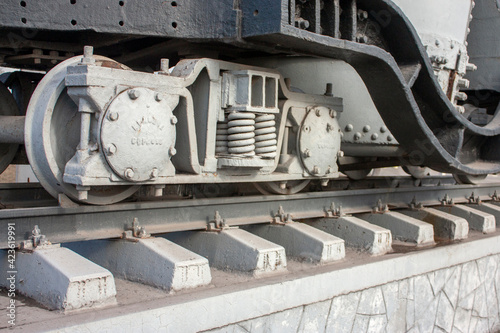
[241, 126]
[265, 136]
[221, 138]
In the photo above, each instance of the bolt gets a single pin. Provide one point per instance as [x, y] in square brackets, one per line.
[329, 170]
[362, 15]
[324, 182]
[164, 63]
[172, 151]
[134, 94]
[340, 153]
[366, 128]
[349, 128]
[318, 112]
[158, 97]
[173, 120]
[88, 51]
[333, 113]
[110, 149]
[329, 90]
[357, 136]
[374, 136]
[437, 42]
[154, 173]
[113, 116]
[390, 138]
[363, 39]
[316, 170]
[307, 153]
[383, 129]
[329, 127]
[129, 173]
[283, 185]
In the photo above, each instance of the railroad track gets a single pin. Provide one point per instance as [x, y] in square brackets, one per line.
[238, 239]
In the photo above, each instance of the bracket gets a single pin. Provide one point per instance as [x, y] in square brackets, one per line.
[447, 200]
[380, 208]
[414, 204]
[218, 223]
[37, 239]
[334, 211]
[135, 232]
[475, 199]
[281, 217]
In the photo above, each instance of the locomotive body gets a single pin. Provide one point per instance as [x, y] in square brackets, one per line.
[278, 94]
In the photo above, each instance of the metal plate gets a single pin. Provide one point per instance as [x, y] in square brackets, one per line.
[138, 134]
[319, 141]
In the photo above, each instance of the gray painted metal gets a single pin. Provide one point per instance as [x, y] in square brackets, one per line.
[85, 222]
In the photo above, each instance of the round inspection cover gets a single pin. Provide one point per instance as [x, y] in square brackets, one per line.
[138, 134]
[319, 141]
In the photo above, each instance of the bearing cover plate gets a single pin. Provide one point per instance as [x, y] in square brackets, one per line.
[138, 134]
[319, 141]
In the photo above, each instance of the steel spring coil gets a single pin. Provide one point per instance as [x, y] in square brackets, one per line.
[265, 136]
[221, 138]
[241, 126]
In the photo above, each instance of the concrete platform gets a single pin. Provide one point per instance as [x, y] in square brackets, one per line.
[357, 233]
[478, 220]
[446, 288]
[446, 226]
[58, 278]
[403, 227]
[234, 249]
[153, 261]
[302, 241]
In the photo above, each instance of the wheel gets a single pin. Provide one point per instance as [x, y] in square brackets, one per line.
[416, 171]
[288, 187]
[8, 107]
[52, 134]
[469, 179]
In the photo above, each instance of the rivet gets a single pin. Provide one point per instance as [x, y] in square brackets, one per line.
[366, 128]
[173, 120]
[134, 93]
[390, 138]
[374, 136]
[318, 112]
[172, 151]
[129, 173]
[437, 42]
[357, 136]
[110, 149]
[383, 129]
[333, 113]
[113, 116]
[329, 127]
[158, 97]
[349, 128]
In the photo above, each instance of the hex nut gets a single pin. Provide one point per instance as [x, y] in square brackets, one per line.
[110, 149]
[129, 173]
[134, 94]
[113, 116]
